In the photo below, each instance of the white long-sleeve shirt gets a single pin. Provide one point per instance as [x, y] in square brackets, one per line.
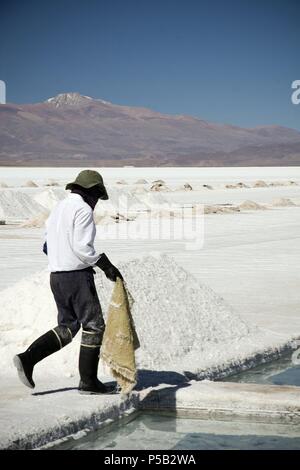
[70, 235]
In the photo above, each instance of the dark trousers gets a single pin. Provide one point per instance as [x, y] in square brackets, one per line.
[77, 300]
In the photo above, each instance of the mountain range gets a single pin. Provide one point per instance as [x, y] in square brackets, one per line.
[75, 130]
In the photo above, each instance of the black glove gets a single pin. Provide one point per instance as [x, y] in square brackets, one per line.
[45, 250]
[109, 269]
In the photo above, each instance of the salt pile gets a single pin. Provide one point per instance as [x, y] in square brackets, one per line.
[159, 187]
[170, 303]
[219, 209]
[239, 185]
[141, 181]
[158, 182]
[251, 206]
[50, 197]
[260, 184]
[281, 183]
[18, 205]
[52, 182]
[181, 324]
[30, 184]
[283, 202]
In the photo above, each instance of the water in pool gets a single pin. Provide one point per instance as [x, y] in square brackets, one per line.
[280, 372]
[159, 431]
[165, 431]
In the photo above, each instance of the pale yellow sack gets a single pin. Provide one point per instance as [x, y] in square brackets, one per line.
[120, 339]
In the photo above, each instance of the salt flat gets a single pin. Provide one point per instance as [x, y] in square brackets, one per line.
[174, 175]
[250, 258]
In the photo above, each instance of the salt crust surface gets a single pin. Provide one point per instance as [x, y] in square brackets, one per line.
[17, 204]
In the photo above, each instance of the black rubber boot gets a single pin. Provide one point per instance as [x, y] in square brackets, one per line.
[88, 367]
[42, 347]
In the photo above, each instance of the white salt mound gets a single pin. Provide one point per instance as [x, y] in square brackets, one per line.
[3, 185]
[52, 183]
[279, 183]
[242, 185]
[50, 197]
[251, 206]
[159, 187]
[282, 202]
[158, 182]
[141, 181]
[16, 204]
[260, 184]
[30, 184]
[180, 323]
[218, 209]
[237, 185]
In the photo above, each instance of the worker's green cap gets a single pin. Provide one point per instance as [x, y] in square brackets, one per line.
[88, 179]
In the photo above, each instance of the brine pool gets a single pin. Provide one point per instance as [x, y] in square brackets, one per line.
[280, 372]
[167, 431]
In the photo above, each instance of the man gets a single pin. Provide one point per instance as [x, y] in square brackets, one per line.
[70, 234]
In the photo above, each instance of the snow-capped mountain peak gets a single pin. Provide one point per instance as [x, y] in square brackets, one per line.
[72, 99]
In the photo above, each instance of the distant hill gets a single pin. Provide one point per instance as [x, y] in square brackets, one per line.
[75, 130]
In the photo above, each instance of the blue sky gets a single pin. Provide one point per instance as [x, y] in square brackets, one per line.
[227, 61]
